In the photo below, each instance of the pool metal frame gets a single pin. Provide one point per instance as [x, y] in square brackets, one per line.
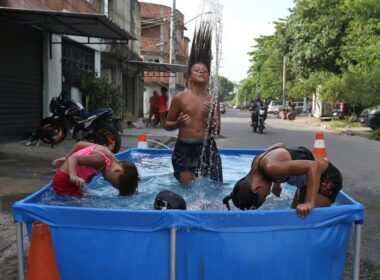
[173, 245]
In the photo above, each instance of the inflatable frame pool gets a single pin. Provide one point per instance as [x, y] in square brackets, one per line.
[97, 243]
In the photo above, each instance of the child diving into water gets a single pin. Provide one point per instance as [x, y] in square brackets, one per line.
[317, 180]
[86, 160]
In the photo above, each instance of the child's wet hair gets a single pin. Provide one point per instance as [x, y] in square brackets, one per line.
[129, 180]
[242, 196]
[169, 200]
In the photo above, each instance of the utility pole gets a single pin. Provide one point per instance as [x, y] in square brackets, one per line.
[173, 44]
[283, 82]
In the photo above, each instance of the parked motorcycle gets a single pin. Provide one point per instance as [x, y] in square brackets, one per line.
[258, 116]
[96, 126]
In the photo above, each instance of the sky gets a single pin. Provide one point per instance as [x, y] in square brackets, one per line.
[243, 20]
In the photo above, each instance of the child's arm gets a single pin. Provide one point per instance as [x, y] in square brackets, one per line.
[95, 160]
[78, 146]
[276, 189]
[175, 118]
[312, 170]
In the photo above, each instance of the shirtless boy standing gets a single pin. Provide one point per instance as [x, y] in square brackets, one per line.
[196, 153]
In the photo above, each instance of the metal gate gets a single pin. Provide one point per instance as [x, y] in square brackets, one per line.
[20, 80]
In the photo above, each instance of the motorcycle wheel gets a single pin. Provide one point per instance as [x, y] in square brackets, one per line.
[50, 132]
[107, 135]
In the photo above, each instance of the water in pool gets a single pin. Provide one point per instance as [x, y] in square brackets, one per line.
[156, 174]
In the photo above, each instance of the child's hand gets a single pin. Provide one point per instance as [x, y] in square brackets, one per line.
[79, 182]
[58, 162]
[206, 107]
[184, 119]
[276, 189]
[304, 209]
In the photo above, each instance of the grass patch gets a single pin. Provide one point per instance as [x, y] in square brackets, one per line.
[375, 135]
[350, 121]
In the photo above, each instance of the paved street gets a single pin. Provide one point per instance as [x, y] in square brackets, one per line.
[23, 170]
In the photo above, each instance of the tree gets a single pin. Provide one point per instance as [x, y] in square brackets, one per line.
[225, 89]
[316, 29]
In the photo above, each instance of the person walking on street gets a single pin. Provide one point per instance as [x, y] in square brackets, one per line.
[163, 105]
[153, 112]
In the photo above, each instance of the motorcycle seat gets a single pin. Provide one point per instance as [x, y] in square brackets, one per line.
[85, 114]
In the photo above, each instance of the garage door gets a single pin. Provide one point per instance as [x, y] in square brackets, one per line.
[20, 80]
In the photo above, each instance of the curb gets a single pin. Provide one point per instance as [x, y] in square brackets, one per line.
[346, 131]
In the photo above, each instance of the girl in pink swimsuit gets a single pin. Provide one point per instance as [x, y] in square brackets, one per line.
[86, 160]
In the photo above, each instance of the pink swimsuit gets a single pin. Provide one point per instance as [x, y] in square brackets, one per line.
[61, 181]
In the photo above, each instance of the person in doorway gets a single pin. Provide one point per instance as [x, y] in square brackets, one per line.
[153, 112]
[163, 105]
[317, 180]
[196, 117]
[86, 160]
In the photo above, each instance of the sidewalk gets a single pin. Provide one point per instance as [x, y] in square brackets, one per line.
[364, 132]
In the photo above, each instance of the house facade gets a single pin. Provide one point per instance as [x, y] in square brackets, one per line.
[50, 46]
[155, 49]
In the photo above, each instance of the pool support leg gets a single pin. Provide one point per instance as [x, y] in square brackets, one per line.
[20, 251]
[173, 244]
[357, 247]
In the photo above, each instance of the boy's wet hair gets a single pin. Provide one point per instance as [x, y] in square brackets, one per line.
[169, 200]
[128, 181]
[242, 196]
[201, 46]
[164, 89]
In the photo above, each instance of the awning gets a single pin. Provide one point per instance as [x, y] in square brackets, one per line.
[79, 24]
[158, 67]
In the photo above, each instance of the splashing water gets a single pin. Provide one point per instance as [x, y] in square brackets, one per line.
[213, 117]
[156, 175]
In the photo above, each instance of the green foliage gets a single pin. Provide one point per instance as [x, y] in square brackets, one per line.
[98, 93]
[330, 45]
[375, 135]
[265, 74]
[225, 89]
[350, 121]
[316, 29]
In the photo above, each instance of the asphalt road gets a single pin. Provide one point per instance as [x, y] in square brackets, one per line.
[356, 157]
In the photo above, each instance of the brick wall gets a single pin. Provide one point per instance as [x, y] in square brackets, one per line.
[154, 20]
[84, 6]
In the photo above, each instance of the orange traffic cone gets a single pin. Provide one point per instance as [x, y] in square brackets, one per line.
[41, 262]
[319, 145]
[141, 141]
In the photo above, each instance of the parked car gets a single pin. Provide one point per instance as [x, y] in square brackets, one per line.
[275, 106]
[298, 107]
[370, 117]
[222, 108]
[342, 109]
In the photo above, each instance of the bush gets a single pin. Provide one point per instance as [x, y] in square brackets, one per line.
[375, 135]
[350, 121]
[98, 93]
